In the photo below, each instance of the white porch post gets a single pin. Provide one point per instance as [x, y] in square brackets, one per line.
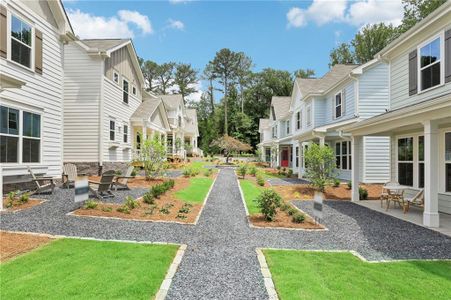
[430, 215]
[301, 154]
[393, 167]
[174, 138]
[322, 141]
[356, 141]
[144, 133]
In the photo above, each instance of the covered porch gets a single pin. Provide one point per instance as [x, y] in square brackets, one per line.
[142, 130]
[420, 154]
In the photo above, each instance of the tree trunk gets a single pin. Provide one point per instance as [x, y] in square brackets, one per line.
[226, 124]
[212, 101]
[242, 98]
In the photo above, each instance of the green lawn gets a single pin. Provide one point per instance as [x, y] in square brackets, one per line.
[82, 269]
[250, 192]
[322, 275]
[196, 191]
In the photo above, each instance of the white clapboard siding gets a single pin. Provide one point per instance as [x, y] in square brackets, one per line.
[377, 159]
[115, 109]
[325, 114]
[374, 91]
[82, 86]
[41, 93]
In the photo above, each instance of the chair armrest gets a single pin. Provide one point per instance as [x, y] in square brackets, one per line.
[42, 178]
[124, 177]
[92, 181]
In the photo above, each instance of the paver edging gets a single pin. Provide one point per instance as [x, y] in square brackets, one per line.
[166, 284]
[267, 277]
[277, 228]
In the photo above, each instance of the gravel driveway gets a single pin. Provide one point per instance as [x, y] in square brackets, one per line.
[220, 261]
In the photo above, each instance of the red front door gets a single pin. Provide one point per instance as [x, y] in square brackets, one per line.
[284, 162]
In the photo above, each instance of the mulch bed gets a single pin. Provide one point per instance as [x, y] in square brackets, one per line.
[285, 221]
[20, 206]
[342, 192]
[13, 244]
[144, 211]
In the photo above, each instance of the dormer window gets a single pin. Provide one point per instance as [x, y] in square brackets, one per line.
[21, 36]
[338, 105]
[430, 64]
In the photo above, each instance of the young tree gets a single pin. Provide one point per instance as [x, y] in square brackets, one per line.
[152, 156]
[320, 162]
[150, 72]
[370, 40]
[229, 144]
[341, 55]
[165, 77]
[185, 78]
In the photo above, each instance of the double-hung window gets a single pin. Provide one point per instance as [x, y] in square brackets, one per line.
[405, 161]
[430, 64]
[125, 91]
[448, 161]
[343, 156]
[21, 42]
[288, 127]
[112, 130]
[298, 120]
[125, 134]
[297, 157]
[9, 135]
[338, 105]
[421, 161]
[31, 141]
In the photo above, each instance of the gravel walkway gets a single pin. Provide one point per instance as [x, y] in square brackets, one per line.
[286, 181]
[220, 261]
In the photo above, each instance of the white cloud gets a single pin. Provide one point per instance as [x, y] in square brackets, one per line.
[87, 25]
[179, 1]
[197, 95]
[356, 13]
[176, 24]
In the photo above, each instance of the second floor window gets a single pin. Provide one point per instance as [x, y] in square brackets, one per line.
[112, 130]
[430, 60]
[288, 127]
[125, 134]
[21, 35]
[338, 105]
[125, 91]
[298, 120]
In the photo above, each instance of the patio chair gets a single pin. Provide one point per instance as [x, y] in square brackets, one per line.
[122, 181]
[397, 196]
[416, 200]
[42, 183]
[102, 189]
[70, 174]
[385, 195]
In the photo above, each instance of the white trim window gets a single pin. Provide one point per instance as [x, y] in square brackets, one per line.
[125, 134]
[21, 42]
[405, 161]
[421, 161]
[288, 126]
[298, 120]
[9, 135]
[116, 77]
[338, 105]
[134, 90]
[112, 130]
[297, 157]
[125, 91]
[343, 156]
[448, 161]
[309, 115]
[31, 137]
[430, 66]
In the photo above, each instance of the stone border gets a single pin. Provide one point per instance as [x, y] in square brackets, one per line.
[155, 221]
[267, 277]
[166, 284]
[277, 228]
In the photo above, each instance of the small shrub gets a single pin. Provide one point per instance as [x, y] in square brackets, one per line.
[157, 190]
[181, 216]
[292, 211]
[208, 172]
[260, 180]
[151, 209]
[90, 204]
[298, 218]
[186, 172]
[363, 193]
[194, 172]
[118, 172]
[285, 207]
[134, 172]
[278, 168]
[107, 209]
[123, 209]
[253, 170]
[290, 173]
[349, 184]
[268, 201]
[186, 208]
[242, 170]
[24, 197]
[166, 210]
[131, 203]
[149, 198]
[336, 182]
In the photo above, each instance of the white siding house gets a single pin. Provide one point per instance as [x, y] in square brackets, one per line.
[31, 88]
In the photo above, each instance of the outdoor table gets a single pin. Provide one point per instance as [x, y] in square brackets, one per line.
[395, 193]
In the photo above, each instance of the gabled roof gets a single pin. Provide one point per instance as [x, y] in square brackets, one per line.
[105, 45]
[191, 126]
[281, 106]
[61, 18]
[146, 109]
[171, 101]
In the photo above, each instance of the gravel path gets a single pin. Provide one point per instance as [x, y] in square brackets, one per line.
[220, 261]
[286, 181]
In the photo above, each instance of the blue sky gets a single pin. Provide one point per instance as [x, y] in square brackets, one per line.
[284, 35]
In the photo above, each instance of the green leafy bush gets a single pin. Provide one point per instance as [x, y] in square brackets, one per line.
[336, 182]
[285, 207]
[131, 203]
[168, 184]
[149, 198]
[186, 208]
[181, 216]
[320, 165]
[24, 197]
[242, 170]
[123, 209]
[107, 209]
[363, 193]
[253, 170]
[157, 190]
[298, 218]
[134, 172]
[151, 209]
[292, 211]
[289, 173]
[260, 180]
[268, 201]
[208, 172]
[349, 184]
[186, 172]
[166, 209]
[90, 204]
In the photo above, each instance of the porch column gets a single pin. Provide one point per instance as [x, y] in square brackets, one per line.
[355, 144]
[174, 138]
[144, 133]
[430, 215]
[301, 154]
[393, 167]
[322, 141]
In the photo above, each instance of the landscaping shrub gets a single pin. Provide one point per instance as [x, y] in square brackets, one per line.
[134, 172]
[268, 201]
[292, 211]
[90, 204]
[185, 208]
[253, 170]
[123, 209]
[208, 172]
[363, 193]
[149, 198]
[151, 209]
[107, 208]
[289, 173]
[298, 218]
[186, 172]
[166, 209]
[157, 190]
[320, 166]
[180, 216]
[336, 182]
[285, 207]
[349, 184]
[260, 180]
[242, 170]
[24, 197]
[131, 203]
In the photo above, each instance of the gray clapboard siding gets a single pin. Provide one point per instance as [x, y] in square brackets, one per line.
[373, 91]
[444, 203]
[82, 86]
[377, 159]
[42, 93]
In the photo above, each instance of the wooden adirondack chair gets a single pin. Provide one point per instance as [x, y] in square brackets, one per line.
[122, 181]
[416, 200]
[43, 184]
[102, 189]
[70, 174]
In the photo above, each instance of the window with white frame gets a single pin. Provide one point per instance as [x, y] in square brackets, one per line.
[12, 138]
[338, 105]
[298, 120]
[405, 161]
[448, 161]
[134, 90]
[309, 115]
[343, 156]
[21, 42]
[125, 138]
[421, 161]
[115, 76]
[112, 130]
[125, 91]
[297, 157]
[288, 126]
[430, 61]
